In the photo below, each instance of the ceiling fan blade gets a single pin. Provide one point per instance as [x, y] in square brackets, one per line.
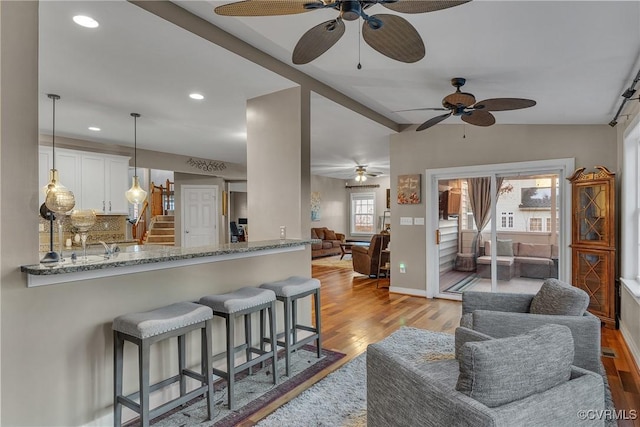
[431, 122]
[421, 6]
[395, 38]
[317, 41]
[422, 109]
[479, 118]
[266, 7]
[503, 104]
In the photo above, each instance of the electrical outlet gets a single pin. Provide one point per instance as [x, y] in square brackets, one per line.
[41, 228]
[403, 269]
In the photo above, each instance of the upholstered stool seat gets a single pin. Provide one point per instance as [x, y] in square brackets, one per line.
[288, 291]
[243, 302]
[147, 328]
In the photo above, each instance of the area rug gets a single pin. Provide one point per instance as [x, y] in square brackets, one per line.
[334, 262]
[252, 392]
[340, 399]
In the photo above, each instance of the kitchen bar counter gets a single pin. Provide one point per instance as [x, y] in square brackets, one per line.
[146, 258]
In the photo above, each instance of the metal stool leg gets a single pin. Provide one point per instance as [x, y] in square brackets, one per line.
[294, 318]
[287, 335]
[231, 360]
[247, 338]
[181, 365]
[143, 359]
[316, 299]
[205, 359]
[274, 338]
[118, 347]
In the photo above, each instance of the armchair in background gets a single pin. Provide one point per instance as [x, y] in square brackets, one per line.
[365, 259]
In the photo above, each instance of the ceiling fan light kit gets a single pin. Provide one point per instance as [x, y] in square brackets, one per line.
[390, 35]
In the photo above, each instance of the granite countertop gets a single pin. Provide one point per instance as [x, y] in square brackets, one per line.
[149, 254]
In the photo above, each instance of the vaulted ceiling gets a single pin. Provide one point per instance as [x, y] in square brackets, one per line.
[575, 58]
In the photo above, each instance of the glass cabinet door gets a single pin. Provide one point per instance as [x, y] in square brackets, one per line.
[593, 225]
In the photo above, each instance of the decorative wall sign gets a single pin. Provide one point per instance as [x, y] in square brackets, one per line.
[315, 206]
[207, 165]
[409, 189]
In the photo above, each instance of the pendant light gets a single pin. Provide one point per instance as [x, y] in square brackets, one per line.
[58, 198]
[135, 194]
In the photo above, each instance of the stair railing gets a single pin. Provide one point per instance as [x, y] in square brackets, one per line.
[161, 198]
[139, 227]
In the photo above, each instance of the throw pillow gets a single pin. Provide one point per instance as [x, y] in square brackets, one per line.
[330, 235]
[314, 235]
[499, 371]
[320, 233]
[556, 297]
[504, 247]
[465, 335]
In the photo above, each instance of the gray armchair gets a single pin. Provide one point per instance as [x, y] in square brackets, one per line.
[504, 314]
[407, 391]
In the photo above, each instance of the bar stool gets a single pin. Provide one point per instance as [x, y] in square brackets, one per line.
[289, 291]
[243, 302]
[150, 327]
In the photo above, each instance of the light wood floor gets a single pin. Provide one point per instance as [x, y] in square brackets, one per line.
[355, 313]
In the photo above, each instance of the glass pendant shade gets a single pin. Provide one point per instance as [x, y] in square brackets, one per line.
[361, 178]
[59, 198]
[136, 194]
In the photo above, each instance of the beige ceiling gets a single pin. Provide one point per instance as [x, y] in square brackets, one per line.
[574, 58]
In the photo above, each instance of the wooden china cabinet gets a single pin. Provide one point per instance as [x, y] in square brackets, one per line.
[593, 240]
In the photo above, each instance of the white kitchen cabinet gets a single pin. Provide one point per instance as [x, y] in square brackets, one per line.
[104, 183]
[117, 185]
[98, 181]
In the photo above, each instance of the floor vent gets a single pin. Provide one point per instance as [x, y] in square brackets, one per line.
[609, 352]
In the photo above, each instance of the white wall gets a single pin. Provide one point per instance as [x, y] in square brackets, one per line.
[278, 164]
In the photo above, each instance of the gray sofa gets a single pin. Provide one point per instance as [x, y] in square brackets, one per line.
[505, 314]
[517, 259]
[410, 391]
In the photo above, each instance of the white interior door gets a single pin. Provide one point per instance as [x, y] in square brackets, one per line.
[199, 215]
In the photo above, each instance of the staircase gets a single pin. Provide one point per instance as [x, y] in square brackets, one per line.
[161, 231]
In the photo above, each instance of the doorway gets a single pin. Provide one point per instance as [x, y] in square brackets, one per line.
[497, 228]
[199, 215]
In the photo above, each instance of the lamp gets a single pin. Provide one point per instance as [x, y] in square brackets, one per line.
[135, 194]
[58, 198]
[361, 177]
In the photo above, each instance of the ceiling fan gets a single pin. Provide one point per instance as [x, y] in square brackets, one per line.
[464, 104]
[362, 174]
[391, 35]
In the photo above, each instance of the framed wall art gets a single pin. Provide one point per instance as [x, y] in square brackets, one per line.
[409, 190]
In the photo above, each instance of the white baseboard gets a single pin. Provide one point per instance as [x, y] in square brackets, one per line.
[408, 291]
[631, 345]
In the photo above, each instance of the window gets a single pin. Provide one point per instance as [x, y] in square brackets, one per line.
[506, 220]
[363, 213]
[535, 224]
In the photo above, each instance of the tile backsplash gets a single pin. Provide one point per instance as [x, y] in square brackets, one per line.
[108, 228]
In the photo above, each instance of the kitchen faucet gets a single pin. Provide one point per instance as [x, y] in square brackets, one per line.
[109, 250]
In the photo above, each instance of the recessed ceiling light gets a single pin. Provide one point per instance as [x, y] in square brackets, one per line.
[196, 96]
[85, 21]
[95, 129]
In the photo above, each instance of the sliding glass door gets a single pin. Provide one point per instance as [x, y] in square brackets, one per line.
[497, 228]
